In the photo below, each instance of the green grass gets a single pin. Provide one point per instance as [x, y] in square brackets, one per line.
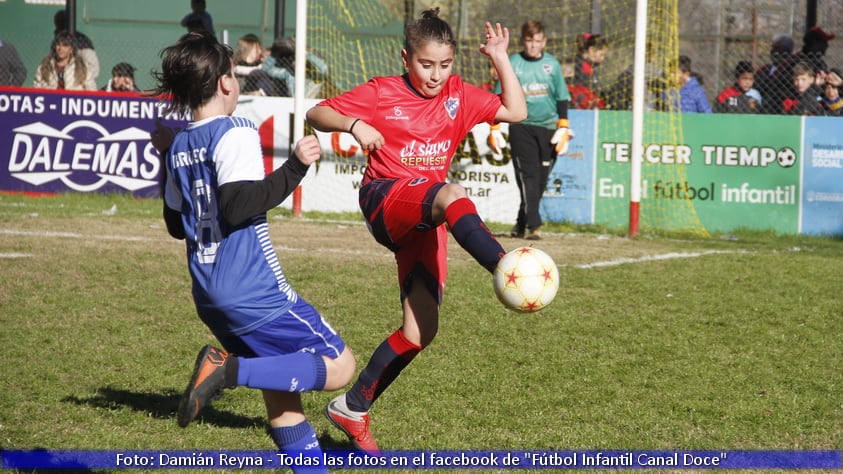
[736, 346]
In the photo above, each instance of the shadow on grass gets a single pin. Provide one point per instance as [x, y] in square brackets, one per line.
[162, 406]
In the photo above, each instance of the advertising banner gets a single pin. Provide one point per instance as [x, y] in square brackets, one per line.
[717, 173]
[722, 172]
[85, 142]
[569, 196]
[822, 177]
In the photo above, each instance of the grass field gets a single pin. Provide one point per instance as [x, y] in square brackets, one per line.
[658, 342]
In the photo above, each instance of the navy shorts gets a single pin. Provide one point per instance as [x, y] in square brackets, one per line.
[301, 329]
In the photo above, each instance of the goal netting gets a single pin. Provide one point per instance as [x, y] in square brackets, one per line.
[363, 38]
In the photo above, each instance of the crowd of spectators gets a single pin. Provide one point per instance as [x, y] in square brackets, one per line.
[797, 82]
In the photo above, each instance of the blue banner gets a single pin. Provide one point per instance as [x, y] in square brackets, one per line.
[501, 460]
[822, 173]
[59, 141]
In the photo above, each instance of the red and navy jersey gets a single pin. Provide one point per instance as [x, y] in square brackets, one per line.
[420, 134]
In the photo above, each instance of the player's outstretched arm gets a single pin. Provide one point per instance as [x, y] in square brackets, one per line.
[326, 119]
[242, 200]
[514, 107]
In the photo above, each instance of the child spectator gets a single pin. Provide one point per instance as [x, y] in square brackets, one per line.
[806, 99]
[831, 100]
[64, 68]
[740, 97]
[280, 66]
[122, 79]
[690, 97]
[585, 89]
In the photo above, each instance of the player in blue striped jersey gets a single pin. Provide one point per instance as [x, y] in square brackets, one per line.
[216, 195]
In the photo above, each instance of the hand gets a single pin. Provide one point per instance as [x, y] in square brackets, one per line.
[161, 136]
[308, 150]
[496, 141]
[497, 40]
[562, 136]
[366, 135]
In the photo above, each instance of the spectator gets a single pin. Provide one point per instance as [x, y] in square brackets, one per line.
[248, 58]
[832, 102]
[199, 20]
[740, 97]
[122, 79]
[805, 99]
[814, 46]
[585, 89]
[280, 65]
[774, 80]
[63, 68]
[691, 96]
[618, 96]
[83, 44]
[12, 70]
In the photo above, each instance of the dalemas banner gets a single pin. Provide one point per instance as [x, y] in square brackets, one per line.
[84, 142]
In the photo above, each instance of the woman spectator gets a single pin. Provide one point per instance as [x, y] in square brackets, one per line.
[63, 68]
[248, 66]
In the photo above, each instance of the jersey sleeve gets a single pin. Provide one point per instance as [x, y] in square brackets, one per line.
[358, 102]
[237, 156]
[560, 87]
[483, 104]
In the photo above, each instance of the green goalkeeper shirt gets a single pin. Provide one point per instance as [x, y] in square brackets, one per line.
[543, 86]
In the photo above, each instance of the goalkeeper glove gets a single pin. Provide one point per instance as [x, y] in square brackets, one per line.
[496, 141]
[562, 136]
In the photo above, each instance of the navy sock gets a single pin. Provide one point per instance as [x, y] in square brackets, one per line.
[297, 372]
[388, 360]
[300, 439]
[472, 234]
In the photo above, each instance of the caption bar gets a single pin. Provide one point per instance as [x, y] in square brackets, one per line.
[43, 459]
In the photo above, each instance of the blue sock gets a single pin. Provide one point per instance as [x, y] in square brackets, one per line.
[297, 372]
[300, 440]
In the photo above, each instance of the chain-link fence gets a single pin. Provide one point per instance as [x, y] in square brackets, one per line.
[716, 35]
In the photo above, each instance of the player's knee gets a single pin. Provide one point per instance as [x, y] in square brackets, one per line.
[340, 370]
[451, 192]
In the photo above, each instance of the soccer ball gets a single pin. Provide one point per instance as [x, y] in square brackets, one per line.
[786, 157]
[526, 280]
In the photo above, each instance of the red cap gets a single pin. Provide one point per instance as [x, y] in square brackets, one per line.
[818, 33]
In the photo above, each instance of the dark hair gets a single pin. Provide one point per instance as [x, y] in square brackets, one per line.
[685, 63]
[190, 70]
[743, 67]
[429, 28]
[284, 47]
[123, 70]
[590, 40]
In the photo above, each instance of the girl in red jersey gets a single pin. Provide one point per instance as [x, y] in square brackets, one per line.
[411, 125]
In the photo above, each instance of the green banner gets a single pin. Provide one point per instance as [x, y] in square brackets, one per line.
[716, 172]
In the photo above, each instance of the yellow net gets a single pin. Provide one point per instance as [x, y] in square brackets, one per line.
[363, 38]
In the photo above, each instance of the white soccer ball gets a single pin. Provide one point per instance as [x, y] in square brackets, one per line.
[526, 280]
[786, 157]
